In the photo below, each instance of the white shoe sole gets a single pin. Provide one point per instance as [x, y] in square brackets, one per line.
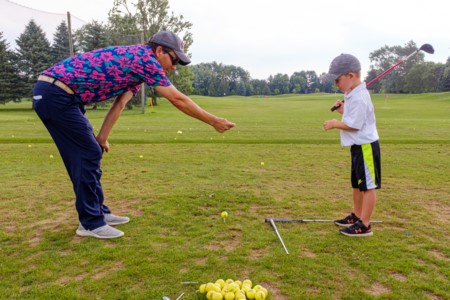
[91, 234]
[343, 225]
[117, 223]
[357, 235]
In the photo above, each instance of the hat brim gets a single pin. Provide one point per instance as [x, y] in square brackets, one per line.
[329, 77]
[184, 60]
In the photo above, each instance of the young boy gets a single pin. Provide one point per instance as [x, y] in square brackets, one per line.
[358, 131]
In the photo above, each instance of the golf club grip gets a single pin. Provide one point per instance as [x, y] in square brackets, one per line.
[335, 107]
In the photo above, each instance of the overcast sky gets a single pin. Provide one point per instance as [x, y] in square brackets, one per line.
[266, 37]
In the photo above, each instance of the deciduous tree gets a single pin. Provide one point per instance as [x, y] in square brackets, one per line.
[386, 57]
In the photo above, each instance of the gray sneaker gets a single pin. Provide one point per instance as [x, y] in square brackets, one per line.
[104, 232]
[113, 220]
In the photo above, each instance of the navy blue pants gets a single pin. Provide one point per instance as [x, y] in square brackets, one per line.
[64, 116]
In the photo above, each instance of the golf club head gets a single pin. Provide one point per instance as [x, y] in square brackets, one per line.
[427, 48]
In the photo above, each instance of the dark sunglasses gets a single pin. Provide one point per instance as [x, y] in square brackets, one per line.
[175, 60]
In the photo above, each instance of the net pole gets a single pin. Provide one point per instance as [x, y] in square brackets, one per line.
[143, 84]
[69, 26]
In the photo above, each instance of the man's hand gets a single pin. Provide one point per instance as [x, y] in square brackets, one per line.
[189, 107]
[222, 125]
[103, 143]
[111, 118]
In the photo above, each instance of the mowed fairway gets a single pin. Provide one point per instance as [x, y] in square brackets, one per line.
[174, 176]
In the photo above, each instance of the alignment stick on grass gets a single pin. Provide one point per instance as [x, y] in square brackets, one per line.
[308, 221]
[278, 234]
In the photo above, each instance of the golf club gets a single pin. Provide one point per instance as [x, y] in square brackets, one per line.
[425, 48]
[278, 234]
[307, 221]
[167, 298]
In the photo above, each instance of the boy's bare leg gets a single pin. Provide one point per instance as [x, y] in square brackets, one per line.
[370, 198]
[358, 198]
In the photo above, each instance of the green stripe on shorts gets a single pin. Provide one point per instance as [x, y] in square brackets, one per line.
[368, 159]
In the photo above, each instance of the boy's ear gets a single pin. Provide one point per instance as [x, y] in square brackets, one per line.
[353, 75]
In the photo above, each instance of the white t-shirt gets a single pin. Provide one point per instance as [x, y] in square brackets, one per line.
[359, 114]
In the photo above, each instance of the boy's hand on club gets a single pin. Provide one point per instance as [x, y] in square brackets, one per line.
[340, 106]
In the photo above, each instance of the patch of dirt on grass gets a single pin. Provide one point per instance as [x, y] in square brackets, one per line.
[126, 207]
[10, 228]
[201, 261]
[312, 291]
[377, 289]
[433, 296]
[399, 276]
[438, 255]
[66, 279]
[159, 246]
[304, 252]
[440, 208]
[40, 227]
[84, 262]
[256, 254]
[35, 241]
[274, 292]
[77, 239]
[108, 269]
[65, 252]
[229, 243]
[421, 262]
[351, 274]
[254, 209]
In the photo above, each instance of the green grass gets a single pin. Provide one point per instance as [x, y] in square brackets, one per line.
[174, 195]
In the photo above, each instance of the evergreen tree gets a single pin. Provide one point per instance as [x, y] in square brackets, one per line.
[60, 48]
[8, 77]
[92, 36]
[33, 55]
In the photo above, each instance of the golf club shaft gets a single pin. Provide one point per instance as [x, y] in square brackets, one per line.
[278, 234]
[308, 221]
[384, 73]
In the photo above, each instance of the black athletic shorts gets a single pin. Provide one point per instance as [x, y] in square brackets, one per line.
[366, 166]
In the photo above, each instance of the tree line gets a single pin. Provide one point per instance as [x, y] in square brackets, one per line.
[19, 68]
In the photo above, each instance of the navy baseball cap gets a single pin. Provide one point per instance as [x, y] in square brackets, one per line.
[341, 65]
[172, 41]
